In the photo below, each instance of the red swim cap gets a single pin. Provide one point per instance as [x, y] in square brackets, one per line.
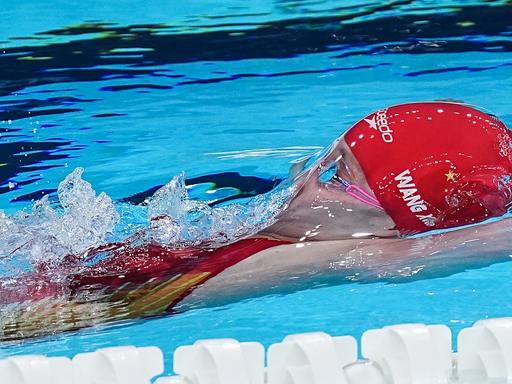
[435, 165]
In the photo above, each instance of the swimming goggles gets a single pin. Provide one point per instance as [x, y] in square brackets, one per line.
[357, 192]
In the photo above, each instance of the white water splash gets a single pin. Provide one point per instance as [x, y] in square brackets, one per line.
[85, 221]
[177, 220]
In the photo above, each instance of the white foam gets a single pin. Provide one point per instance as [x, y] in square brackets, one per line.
[85, 220]
[177, 220]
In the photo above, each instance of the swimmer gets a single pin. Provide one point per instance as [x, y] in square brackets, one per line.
[362, 204]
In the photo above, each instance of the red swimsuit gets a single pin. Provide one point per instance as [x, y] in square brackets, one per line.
[151, 279]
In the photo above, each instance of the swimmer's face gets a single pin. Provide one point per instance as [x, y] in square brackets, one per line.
[323, 210]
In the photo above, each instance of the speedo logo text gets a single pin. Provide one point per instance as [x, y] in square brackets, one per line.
[379, 122]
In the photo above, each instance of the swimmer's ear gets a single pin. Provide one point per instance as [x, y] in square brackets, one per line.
[297, 166]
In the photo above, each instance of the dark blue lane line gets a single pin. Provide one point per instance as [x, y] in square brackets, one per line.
[116, 88]
[22, 157]
[455, 69]
[15, 109]
[109, 115]
[279, 74]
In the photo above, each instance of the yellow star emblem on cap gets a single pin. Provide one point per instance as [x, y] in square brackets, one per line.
[450, 176]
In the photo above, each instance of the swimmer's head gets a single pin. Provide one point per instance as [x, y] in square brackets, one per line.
[434, 165]
[332, 201]
[404, 169]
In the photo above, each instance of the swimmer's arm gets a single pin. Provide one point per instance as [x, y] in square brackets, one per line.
[292, 267]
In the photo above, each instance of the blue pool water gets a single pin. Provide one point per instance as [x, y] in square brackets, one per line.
[136, 93]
